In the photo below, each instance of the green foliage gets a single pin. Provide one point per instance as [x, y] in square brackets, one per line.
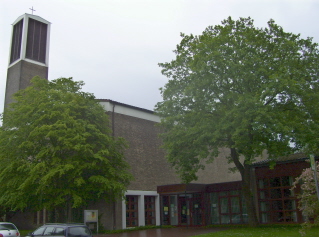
[237, 86]
[56, 147]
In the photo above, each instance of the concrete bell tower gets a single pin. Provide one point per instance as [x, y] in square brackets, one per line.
[29, 53]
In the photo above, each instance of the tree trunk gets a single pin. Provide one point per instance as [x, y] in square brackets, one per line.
[247, 188]
[69, 212]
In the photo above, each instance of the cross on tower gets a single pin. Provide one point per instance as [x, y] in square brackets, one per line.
[32, 10]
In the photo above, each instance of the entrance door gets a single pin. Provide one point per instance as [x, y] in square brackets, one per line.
[196, 210]
[190, 209]
[131, 211]
[183, 211]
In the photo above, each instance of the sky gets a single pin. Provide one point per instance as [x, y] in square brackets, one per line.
[114, 46]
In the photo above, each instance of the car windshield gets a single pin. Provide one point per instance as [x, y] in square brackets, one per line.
[7, 227]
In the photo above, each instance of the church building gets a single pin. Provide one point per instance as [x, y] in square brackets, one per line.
[156, 196]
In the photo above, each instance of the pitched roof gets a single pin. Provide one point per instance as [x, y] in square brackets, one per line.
[284, 159]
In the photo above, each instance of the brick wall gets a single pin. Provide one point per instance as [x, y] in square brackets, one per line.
[146, 158]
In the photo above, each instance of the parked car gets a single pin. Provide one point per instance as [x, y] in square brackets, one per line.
[8, 229]
[63, 230]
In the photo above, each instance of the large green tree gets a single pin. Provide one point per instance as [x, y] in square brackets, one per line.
[240, 87]
[56, 148]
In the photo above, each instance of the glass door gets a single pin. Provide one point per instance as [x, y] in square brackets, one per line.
[183, 210]
[173, 210]
[196, 210]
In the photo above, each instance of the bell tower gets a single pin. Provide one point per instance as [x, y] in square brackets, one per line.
[29, 53]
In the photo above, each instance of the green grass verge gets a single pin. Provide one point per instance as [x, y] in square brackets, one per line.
[265, 231]
[25, 232]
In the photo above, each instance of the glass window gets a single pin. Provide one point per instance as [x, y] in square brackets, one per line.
[275, 193]
[39, 231]
[288, 193]
[262, 183]
[275, 182]
[286, 181]
[223, 194]
[291, 216]
[263, 194]
[48, 230]
[235, 207]
[59, 231]
[264, 217]
[236, 219]
[227, 207]
[224, 206]
[277, 205]
[264, 206]
[234, 193]
[290, 204]
[225, 219]
[214, 213]
[277, 202]
[79, 231]
[6, 226]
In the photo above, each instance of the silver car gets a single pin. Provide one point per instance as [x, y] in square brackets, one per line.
[8, 229]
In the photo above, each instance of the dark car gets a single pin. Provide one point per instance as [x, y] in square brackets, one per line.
[63, 230]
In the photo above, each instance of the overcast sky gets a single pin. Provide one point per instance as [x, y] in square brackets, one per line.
[114, 46]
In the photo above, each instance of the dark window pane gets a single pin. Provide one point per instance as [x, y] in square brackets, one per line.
[264, 206]
[225, 219]
[288, 193]
[286, 181]
[263, 194]
[234, 192]
[16, 41]
[224, 207]
[235, 208]
[36, 41]
[223, 194]
[262, 183]
[290, 204]
[275, 193]
[277, 205]
[275, 182]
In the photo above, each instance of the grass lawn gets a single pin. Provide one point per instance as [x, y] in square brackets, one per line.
[25, 232]
[264, 231]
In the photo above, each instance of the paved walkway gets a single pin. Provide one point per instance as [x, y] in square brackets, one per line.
[166, 232]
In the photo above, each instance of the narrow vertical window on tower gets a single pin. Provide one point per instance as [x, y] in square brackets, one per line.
[36, 41]
[16, 41]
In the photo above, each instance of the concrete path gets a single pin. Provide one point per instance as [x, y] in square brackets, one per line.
[168, 232]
